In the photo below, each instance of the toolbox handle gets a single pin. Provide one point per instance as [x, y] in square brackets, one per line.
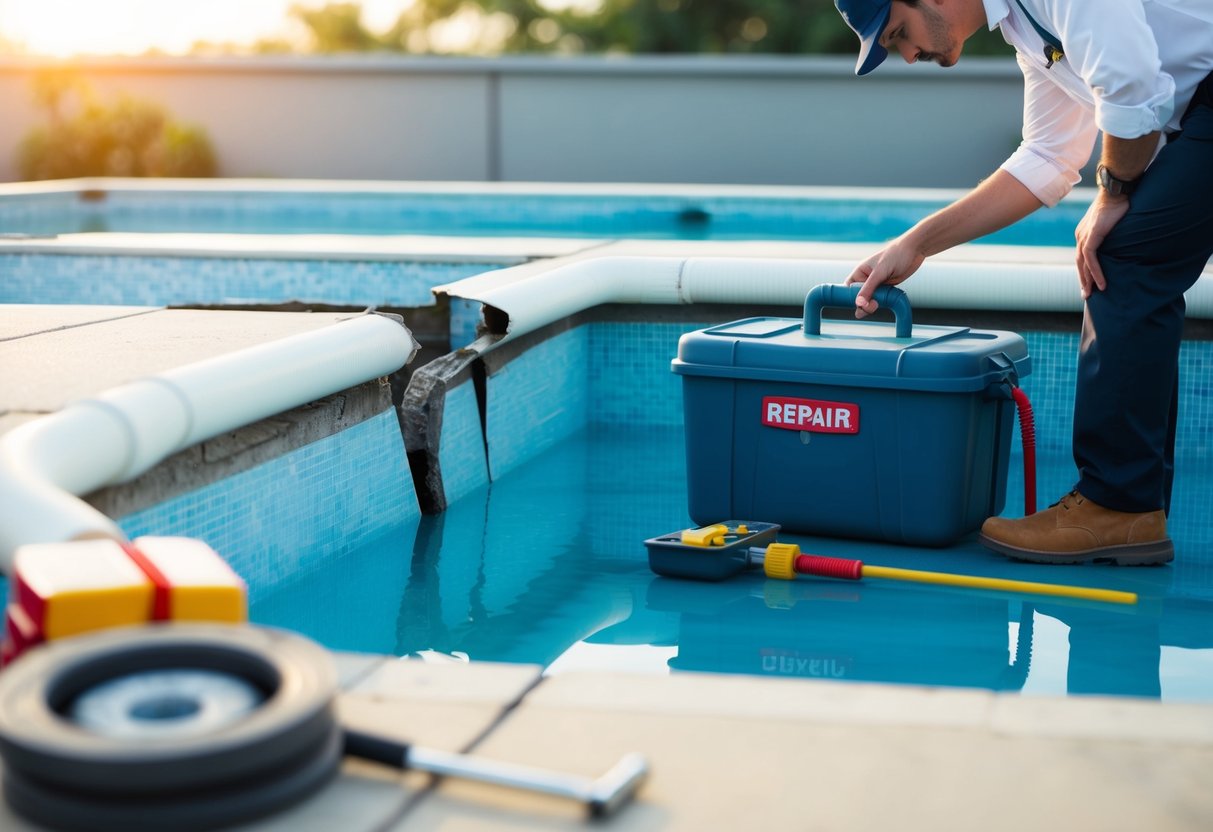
[836, 294]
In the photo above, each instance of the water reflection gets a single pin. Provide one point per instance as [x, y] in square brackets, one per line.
[815, 628]
[818, 629]
[1112, 654]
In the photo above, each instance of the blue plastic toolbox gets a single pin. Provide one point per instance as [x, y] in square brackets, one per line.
[849, 428]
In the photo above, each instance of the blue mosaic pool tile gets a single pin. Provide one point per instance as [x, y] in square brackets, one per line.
[461, 444]
[1191, 504]
[464, 319]
[630, 380]
[318, 501]
[649, 460]
[1195, 431]
[537, 399]
[160, 281]
[1050, 388]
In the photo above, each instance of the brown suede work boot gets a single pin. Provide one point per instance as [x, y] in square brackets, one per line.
[1076, 530]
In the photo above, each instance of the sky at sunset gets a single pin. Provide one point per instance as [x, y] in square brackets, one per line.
[63, 28]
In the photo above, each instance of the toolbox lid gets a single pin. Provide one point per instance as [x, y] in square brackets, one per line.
[855, 354]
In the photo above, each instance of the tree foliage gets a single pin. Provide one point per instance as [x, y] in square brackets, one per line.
[337, 27]
[85, 137]
[790, 27]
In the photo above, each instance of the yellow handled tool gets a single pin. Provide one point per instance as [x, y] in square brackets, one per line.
[784, 561]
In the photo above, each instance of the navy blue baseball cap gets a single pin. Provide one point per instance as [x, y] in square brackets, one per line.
[867, 18]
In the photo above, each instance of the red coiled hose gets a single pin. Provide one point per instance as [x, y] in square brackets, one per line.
[849, 570]
[1027, 430]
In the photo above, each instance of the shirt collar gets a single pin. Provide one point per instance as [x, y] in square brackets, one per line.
[996, 12]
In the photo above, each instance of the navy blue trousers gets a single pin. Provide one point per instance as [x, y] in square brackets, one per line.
[1126, 401]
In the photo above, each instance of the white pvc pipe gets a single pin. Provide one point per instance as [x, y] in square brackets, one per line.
[125, 431]
[532, 299]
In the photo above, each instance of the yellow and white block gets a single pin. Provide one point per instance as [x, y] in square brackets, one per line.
[59, 590]
[201, 586]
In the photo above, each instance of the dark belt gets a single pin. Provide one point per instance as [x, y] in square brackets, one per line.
[1201, 97]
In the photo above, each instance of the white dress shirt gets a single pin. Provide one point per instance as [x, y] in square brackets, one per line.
[1130, 68]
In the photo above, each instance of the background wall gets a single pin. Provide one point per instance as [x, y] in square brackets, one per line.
[745, 120]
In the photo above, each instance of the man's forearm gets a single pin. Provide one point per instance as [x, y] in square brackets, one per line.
[1128, 158]
[996, 203]
[1125, 159]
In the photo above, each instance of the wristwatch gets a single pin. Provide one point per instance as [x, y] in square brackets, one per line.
[1113, 186]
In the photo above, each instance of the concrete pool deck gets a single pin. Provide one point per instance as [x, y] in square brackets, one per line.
[747, 753]
[726, 752]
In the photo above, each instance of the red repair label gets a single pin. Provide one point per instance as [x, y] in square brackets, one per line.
[810, 415]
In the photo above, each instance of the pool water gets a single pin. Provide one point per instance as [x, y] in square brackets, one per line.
[548, 566]
[813, 218]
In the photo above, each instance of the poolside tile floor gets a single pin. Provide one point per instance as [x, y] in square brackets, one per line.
[770, 754]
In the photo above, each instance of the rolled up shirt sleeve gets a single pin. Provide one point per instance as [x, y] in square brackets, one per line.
[1111, 46]
[1134, 121]
[1058, 137]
